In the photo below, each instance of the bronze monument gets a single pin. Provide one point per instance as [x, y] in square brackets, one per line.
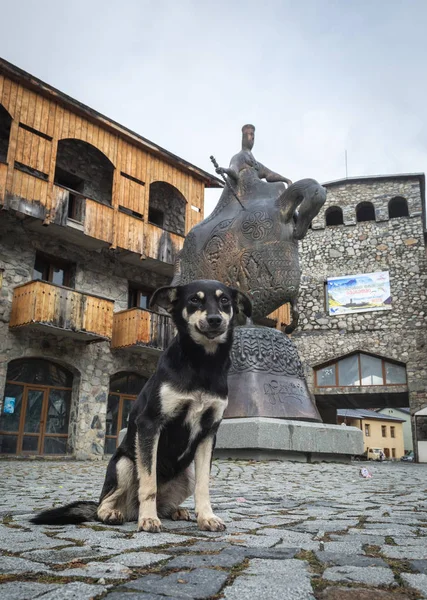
[250, 241]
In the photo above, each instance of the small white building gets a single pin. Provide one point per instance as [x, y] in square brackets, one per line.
[404, 414]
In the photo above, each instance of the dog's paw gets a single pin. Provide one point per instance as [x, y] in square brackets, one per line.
[153, 525]
[210, 523]
[111, 517]
[181, 514]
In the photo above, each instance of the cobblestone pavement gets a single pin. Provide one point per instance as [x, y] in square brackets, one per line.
[294, 531]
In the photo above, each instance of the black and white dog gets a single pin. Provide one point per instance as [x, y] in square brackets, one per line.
[174, 419]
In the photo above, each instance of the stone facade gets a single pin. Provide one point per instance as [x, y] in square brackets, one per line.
[385, 244]
[92, 365]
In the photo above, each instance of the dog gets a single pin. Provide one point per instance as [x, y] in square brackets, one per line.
[174, 420]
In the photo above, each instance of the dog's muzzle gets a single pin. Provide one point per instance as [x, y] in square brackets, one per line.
[212, 326]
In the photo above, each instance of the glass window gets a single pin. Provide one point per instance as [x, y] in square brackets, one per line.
[55, 445]
[348, 371]
[12, 405]
[372, 370]
[326, 376]
[392, 432]
[127, 383]
[112, 414]
[383, 430]
[367, 430]
[126, 408]
[421, 425]
[8, 444]
[57, 411]
[394, 373]
[35, 370]
[34, 411]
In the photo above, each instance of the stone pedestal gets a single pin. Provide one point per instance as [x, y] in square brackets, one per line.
[262, 438]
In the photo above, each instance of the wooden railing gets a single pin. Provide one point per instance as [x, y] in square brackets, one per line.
[62, 310]
[281, 316]
[137, 327]
[160, 244]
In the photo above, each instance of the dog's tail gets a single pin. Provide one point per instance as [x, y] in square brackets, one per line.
[71, 514]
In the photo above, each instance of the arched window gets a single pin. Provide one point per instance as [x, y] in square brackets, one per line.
[84, 169]
[365, 212]
[124, 388]
[398, 207]
[167, 207]
[36, 408]
[360, 369]
[5, 123]
[334, 216]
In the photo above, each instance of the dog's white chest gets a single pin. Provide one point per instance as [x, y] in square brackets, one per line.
[195, 404]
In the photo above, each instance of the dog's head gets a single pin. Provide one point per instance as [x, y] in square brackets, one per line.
[205, 309]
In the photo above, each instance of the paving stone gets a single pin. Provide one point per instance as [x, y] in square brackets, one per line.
[21, 590]
[193, 584]
[227, 558]
[419, 565]
[66, 555]
[355, 560]
[341, 593]
[97, 570]
[368, 576]
[254, 541]
[404, 552]
[271, 553]
[11, 564]
[345, 547]
[75, 591]
[272, 580]
[133, 596]
[416, 581]
[138, 559]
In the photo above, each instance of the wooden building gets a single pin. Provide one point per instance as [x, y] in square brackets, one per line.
[92, 218]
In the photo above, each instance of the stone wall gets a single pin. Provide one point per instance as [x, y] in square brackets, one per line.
[394, 245]
[170, 201]
[92, 364]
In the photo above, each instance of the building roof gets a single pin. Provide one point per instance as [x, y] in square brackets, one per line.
[405, 410]
[44, 89]
[362, 413]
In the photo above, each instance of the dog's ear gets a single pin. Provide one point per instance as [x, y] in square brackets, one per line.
[165, 297]
[242, 302]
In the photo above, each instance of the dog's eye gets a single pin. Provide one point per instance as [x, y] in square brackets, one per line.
[195, 300]
[224, 300]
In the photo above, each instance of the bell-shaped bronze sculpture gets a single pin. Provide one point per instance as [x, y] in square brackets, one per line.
[250, 241]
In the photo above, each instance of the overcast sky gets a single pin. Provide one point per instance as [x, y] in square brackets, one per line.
[316, 77]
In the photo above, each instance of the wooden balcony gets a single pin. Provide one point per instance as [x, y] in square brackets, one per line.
[161, 248]
[139, 329]
[62, 311]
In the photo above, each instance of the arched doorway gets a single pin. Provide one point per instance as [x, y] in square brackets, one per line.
[36, 408]
[124, 388]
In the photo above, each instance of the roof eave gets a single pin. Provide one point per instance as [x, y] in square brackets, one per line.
[19, 75]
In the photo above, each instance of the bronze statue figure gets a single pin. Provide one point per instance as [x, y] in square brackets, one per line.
[256, 248]
[250, 241]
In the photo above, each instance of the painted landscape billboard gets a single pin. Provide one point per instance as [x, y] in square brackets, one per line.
[358, 293]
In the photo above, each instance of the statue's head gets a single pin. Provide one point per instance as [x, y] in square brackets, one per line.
[248, 137]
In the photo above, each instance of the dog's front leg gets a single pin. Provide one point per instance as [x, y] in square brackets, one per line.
[206, 520]
[147, 439]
